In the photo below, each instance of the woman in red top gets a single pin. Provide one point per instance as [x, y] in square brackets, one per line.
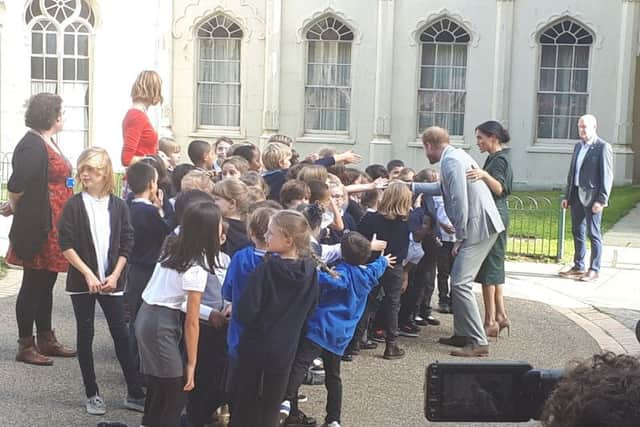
[140, 139]
[38, 190]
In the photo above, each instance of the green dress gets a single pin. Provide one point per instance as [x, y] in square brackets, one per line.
[492, 269]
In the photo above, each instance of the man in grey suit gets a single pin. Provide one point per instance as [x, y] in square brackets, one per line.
[588, 188]
[473, 213]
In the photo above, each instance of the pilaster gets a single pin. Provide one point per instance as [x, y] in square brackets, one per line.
[273, 34]
[626, 71]
[500, 104]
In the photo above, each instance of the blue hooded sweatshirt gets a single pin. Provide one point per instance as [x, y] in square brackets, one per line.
[243, 263]
[342, 302]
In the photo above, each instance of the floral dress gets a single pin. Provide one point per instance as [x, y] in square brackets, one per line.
[50, 256]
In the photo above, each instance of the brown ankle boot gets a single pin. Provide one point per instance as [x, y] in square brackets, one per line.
[28, 353]
[48, 345]
[392, 351]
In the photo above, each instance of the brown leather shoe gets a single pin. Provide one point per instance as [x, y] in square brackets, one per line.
[572, 273]
[589, 276]
[472, 350]
[48, 345]
[392, 351]
[28, 353]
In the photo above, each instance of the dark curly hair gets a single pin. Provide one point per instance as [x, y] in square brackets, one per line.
[603, 391]
[43, 110]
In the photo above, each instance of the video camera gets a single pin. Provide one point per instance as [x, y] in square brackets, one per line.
[489, 391]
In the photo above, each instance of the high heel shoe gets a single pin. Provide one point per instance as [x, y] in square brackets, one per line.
[505, 324]
[492, 331]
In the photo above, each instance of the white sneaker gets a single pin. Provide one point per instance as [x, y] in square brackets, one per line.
[331, 424]
[95, 406]
[285, 408]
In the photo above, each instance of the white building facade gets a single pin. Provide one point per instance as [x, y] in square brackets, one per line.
[366, 75]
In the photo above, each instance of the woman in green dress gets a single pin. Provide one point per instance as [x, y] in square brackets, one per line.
[498, 176]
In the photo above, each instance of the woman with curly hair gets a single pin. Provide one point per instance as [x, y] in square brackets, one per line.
[603, 391]
[39, 187]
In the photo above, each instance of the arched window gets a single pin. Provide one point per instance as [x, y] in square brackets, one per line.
[328, 85]
[443, 74]
[60, 62]
[218, 82]
[564, 76]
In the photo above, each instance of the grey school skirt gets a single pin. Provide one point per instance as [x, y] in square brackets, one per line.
[159, 333]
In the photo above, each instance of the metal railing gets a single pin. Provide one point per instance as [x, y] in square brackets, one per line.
[536, 227]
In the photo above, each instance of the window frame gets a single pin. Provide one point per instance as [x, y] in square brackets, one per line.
[219, 130]
[327, 135]
[559, 142]
[420, 47]
[75, 19]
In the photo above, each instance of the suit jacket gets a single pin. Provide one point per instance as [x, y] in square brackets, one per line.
[469, 205]
[596, 174]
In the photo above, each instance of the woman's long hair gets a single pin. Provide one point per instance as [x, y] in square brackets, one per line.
[198, 241]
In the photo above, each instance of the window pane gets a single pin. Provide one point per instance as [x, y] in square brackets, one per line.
[37, 68]
[69, 44]
[342, 120]
[442, 120]
[545, 127]
[327, 119]
[548, 58]
[233, 49]
[573, 129]
[545, 104]
[428, 54]
[83, 69]
[344, 53]
[443, 56]
[442, 102]
[51, 68]
[581, 59]
[579, 105]
[580, 80]
[343, 75]
[443, 78]
[206, 49]
[458, 101]
[460, 55]
[563, 81]
[226, 94]
[426, 101]
[52, 42]
[36, 42]
[427, 77]
[561, 127]
[565, 56]
[562, 105]
[344, 99]
[458, 77]
[83, 45]
[69, 69]
[547, 79]
[457, 124]
[424, 121]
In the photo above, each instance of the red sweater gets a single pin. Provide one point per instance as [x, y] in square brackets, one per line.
[140, 138]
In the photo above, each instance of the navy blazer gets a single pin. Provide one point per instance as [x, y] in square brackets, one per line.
[596, 174]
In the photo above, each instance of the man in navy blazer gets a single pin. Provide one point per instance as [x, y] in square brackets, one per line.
[588, 189]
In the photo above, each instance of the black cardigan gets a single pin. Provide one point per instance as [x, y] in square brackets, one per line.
[74, 232]
[32, 216]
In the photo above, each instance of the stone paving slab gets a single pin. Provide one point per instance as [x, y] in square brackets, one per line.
[376, 392]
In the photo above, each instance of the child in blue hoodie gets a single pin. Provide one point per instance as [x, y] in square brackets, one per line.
[343, 297]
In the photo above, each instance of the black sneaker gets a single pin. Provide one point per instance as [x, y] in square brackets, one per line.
[369, 345]
[379, 335]
[408, 330]
[300, 420]
[347, 357]
[432, 321]
[420, 321]
[444, 308]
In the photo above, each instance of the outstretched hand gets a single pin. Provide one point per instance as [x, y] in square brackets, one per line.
[391, 260]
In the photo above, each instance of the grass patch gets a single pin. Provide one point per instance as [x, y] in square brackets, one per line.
[3, 267]
[535, 219]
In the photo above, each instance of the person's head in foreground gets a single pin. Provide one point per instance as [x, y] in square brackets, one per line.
[602, 391]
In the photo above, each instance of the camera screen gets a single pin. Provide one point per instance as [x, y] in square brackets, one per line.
[473, 396]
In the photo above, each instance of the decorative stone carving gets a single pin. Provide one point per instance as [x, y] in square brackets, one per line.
[567, 13]
[441, 13]
[329, 11]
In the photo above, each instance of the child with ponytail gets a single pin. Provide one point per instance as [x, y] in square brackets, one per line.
[231, 196]
[281, 294]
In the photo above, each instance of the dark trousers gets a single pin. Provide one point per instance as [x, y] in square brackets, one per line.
[445, 264]
[360, 335]
[164, 402]
[208, 393]
[583, 219]
[137, 279]
[35, 301]
[307, 351]
[257, 395]
[84, 307]
[391, 282]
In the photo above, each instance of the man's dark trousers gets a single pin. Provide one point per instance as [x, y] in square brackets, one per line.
[584, 220]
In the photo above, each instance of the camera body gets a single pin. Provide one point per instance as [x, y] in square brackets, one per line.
[488, 391]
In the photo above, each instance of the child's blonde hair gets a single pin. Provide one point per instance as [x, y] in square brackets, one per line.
[147, 88]
[294, 225]
[234, 190]
[197, 180]
[258, 222]
[326, 152]
[396, 201]
[254, 179]
[168, 145]
[97, 158]
[312, 173]
[274, 154]
[240, 163]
